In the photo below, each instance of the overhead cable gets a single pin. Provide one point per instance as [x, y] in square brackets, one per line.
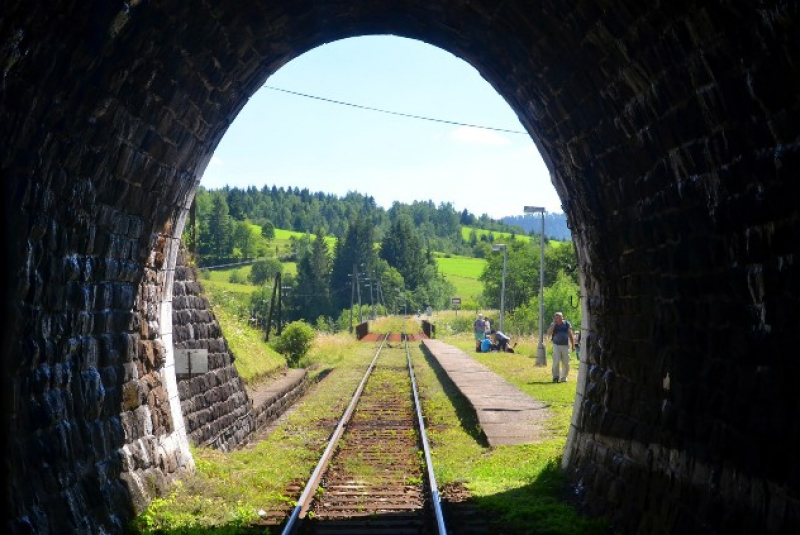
[401, 114]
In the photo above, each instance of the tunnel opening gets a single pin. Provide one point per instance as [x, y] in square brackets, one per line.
[257, 117]
[670, 128]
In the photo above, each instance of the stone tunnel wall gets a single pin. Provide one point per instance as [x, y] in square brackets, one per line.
[672, 134]
[216, 408]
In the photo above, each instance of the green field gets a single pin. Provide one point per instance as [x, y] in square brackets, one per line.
[498, 236]
[283, 236]
[463, 273]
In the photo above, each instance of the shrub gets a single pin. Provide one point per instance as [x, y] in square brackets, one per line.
[237, 277]
[295, 341]
[325, 324]
[455, 324]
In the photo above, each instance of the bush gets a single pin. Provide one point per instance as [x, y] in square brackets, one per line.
[325, 324]
[237, 277]
[455, 324]
[295, 341]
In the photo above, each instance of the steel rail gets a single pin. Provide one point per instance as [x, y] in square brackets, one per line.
[435, 501]
[304, 502]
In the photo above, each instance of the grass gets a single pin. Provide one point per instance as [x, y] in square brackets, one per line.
[517, 486]
[255, 359]
[394, 324]
[463, 273]
[466, 231]
[283, 238]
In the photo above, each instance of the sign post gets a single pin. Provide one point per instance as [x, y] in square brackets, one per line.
[455, 302]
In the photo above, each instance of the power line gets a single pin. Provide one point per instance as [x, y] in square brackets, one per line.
[401, 114]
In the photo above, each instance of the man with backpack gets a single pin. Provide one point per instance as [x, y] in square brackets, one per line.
[560, 332]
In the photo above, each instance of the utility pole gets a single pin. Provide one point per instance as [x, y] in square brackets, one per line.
[193, 225]
[541, 354]
[502, 247]
[271, 305]
[371, 300]
[352, 294]
[358, 292]
[380, 294]
[280, 302]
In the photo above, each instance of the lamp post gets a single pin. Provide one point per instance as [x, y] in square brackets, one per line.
[502, 247]
[541, 355]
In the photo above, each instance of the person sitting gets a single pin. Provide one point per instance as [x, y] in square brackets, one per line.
[486, 345]
[501, 341]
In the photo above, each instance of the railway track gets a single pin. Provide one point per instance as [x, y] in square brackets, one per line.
[375, 476]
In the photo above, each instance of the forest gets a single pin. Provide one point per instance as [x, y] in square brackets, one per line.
[352, 250]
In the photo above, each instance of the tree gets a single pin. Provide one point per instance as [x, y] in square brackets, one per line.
[391, 284]
[220, 229]
[245, 239]
[355, 249]
[268, 230]
[402, 249]
[311, 296]
[522, 275]
[265, 269]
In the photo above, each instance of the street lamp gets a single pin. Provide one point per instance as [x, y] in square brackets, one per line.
[541, 355]
[502, 247]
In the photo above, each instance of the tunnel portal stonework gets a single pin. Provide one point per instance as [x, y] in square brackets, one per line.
[672, 134]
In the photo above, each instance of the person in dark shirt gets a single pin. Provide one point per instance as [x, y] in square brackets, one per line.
[563, 339]
[501, 341]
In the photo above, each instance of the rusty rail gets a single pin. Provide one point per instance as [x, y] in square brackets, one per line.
[433, 488]
[304, 502]
[349, 494]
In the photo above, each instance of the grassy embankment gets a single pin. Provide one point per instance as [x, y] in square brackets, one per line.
[255, 360]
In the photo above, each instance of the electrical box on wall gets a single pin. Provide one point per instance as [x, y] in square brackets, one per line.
[190, 362]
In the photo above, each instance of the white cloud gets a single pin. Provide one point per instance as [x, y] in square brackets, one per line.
[480, 136]
[216, 160]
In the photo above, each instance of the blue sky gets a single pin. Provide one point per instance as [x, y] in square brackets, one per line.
[287, 140]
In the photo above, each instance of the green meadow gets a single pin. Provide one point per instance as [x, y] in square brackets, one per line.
[463, 273]
[499, 237]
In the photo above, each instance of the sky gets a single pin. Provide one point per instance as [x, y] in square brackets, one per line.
[287, 140]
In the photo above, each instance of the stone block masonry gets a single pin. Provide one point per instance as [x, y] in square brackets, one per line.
[216, 409]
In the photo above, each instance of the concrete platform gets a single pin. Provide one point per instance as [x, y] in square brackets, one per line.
[506, 414]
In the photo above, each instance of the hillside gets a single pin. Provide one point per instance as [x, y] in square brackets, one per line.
[555, 225]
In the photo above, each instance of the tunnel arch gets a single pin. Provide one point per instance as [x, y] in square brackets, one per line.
[671, 135]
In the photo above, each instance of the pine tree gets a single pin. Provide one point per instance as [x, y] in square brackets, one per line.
[355, 249]
[402, 249]
[312, 293]
[220, 229]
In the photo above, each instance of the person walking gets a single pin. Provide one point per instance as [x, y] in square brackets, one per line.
[480, 332]
[560, 332]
